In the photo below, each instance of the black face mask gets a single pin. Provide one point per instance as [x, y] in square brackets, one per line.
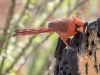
[76, 28]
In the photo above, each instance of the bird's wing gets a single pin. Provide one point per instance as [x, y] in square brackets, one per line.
[61, 25]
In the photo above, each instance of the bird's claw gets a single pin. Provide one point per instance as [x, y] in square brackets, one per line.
[72, 49]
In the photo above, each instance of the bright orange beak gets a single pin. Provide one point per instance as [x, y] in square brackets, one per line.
[80, 29]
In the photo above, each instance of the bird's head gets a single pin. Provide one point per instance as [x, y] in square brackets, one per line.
[78, 24]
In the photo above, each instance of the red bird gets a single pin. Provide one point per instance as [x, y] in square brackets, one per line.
[64, 27]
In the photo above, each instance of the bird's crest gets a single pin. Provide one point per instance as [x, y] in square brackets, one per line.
[78, 21]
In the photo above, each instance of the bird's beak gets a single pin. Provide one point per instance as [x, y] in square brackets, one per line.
[80, 29]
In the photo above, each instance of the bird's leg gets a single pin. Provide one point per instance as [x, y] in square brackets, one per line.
[73, 49]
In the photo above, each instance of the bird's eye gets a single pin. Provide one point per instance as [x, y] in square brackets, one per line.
[76, 27]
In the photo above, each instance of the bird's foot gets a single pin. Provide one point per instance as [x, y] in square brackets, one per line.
[73, 49]
[68, 47]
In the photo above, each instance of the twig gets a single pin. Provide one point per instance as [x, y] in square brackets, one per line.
[38, 6]
[36, 47]
[9, 19]
[80, 13]
[7, 24]
[77, 5]
[30, 40]
[16, 23]
[22, 14]
[50, 67]
[69, 3]
[16, 59]
[52, 12]
[41, 26]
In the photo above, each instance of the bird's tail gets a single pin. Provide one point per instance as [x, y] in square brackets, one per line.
[24, 32]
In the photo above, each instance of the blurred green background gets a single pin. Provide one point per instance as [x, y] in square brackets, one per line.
[34, 55]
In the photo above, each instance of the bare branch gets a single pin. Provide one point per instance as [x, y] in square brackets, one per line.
[49, 15]
[7, 24]
[30, 40]
[75, 7]
[16, 23]
[10, 14]
[22, 14]
[35, 48]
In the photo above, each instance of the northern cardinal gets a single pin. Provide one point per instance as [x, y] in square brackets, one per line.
[64, 27]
